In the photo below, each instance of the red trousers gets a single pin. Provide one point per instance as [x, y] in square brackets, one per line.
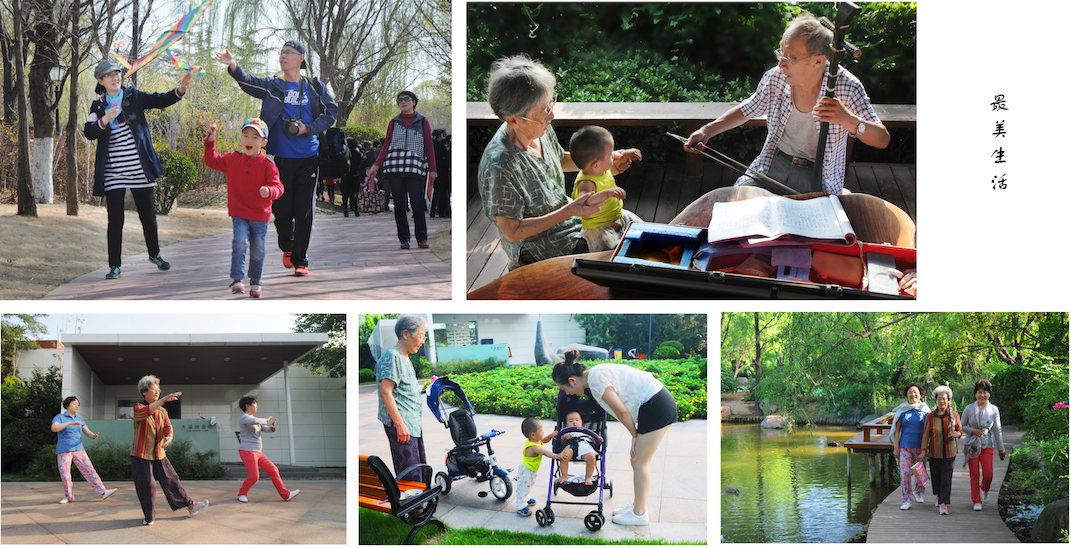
[254, 460]
[986, 461]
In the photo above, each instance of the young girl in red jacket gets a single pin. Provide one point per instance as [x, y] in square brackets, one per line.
[252, 185]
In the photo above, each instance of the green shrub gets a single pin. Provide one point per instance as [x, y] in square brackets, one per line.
[178, 173]
[22, 440]
[666, 353]
[421, 365]
[362, 133]
[366, 375]
[111, 460]
[458, 367]
[675, 344]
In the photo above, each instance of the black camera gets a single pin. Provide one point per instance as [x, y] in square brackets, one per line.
[292, 125]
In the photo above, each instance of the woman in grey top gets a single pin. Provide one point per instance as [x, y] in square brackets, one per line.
[981, 429]
[250, 449]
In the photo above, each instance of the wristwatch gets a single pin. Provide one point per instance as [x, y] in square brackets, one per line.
[859, 130]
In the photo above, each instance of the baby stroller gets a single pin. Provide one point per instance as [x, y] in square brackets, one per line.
[594, 417]
[465, 458]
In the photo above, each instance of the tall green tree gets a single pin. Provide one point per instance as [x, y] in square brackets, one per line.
[17, 332]
[331, 357]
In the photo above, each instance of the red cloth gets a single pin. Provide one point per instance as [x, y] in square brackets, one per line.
[245, 176]
[429, 145]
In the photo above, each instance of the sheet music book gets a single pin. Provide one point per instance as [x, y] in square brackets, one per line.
[776, 220]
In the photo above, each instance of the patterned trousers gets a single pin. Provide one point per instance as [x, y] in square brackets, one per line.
[908, 458]
[408, 454]
[525, 478]
[81, 460]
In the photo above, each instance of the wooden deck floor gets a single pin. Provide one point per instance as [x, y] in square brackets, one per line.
[922, 523]
[658, 192]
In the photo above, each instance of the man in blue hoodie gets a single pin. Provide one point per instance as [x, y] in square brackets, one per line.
[296, 108]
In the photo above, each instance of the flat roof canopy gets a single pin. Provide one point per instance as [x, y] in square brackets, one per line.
[240, 358]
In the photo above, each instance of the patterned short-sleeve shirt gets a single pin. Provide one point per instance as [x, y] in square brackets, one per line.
[396, 367]
[773, 98]
[517, 185]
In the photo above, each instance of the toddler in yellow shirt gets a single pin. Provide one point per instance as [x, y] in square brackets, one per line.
[591, 149]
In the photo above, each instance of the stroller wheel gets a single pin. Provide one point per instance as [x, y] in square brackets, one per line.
[443, 480]
[541, 518]
[593, 521]
[550, 516]
[609, 487]
[501, 485]
[556, 484]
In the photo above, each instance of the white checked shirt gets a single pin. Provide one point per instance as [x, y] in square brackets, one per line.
[774, 99]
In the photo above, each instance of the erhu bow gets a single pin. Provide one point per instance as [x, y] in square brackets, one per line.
[845, 12]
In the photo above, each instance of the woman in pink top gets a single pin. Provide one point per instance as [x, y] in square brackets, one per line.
[407, 165]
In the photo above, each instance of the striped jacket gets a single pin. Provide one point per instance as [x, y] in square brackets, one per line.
[149, 432]
[945, 446]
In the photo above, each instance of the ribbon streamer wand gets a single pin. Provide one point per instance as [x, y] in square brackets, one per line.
[739, 166]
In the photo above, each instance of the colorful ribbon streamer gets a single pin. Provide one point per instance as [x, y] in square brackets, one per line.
[197, 70]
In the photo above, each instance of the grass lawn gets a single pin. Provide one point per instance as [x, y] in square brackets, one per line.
[379, 528]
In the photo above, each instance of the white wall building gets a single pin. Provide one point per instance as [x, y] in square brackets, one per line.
[212, 371]
[519, 331]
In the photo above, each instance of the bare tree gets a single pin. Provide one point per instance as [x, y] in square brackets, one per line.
[27, 204]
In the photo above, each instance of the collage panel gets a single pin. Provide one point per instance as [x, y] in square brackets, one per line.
[240, 419]
[214, 150]
[609, 149]
[893, 427]
[508, 425]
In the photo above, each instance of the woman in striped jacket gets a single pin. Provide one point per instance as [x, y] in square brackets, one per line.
[125, 157]
[939, 435]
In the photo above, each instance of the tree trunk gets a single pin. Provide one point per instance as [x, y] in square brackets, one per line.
[7, 52]
[72, 117]
[42, 92]
[758, 351]
[134, 44]
[27, 205]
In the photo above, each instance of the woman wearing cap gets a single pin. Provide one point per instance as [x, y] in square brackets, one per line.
[125, 156]
[408, 168]
[295, 108]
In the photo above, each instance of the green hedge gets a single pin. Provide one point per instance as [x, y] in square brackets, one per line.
[528, 391]
[458, 367]
[362, 133]
[111, 460]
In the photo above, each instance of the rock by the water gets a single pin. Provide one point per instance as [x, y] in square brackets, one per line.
[1051, 522]
[768, 407]
[775, 421]
[726, 412]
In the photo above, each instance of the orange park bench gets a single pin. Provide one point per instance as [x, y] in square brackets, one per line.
[411, 501]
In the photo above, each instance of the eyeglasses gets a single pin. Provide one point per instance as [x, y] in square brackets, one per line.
[548, 112]
[789, 61]
[113, 74]
[404, 98]
[288, 52]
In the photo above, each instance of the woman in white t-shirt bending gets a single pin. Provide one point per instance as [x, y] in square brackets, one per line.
[639, 402]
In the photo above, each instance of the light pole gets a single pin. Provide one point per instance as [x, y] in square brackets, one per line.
[56, 74]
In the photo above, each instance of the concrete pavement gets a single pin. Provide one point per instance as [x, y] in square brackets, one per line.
[30, 514]
[350, 258]
[677, 502]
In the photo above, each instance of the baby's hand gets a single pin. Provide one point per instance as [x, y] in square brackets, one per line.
[264, 192]
[616, 192]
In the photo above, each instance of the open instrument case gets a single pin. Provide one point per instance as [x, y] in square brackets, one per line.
[662, 259]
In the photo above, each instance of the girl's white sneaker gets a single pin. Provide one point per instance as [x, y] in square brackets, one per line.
[629, 518]
[622, 510]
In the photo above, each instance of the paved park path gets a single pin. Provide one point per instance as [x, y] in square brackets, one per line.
[30, 514]
[922, 523]
[677, 501]
[351, 258]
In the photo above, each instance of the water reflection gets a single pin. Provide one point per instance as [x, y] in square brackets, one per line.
[793, 487]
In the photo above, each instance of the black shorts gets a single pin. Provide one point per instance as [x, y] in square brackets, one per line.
[658, 412]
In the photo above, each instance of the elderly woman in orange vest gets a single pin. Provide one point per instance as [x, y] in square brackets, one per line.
[152, 434]
[939, 435]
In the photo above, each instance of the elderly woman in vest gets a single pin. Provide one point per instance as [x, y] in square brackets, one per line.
[939, 434]
[406, 165]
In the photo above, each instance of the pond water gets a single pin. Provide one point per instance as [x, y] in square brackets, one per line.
[793, 487]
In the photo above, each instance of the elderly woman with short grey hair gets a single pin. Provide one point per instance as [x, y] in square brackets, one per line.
[521, 175]
[152, 434]
[939, 434]
[399, 397]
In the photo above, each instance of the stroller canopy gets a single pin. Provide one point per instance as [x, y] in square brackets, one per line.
[437, 389]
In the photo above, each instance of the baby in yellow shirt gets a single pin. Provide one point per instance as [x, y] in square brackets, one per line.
[591, 149]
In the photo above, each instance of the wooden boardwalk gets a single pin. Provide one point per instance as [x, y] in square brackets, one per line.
[922, 523]
[658, 192]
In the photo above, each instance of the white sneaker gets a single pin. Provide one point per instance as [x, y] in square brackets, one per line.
[622, 510]
[64, 500]
[243, 498]
[194, 508]
[978, 507]
[943, 510]
[629, 518]
[906, 506]
[293, 494]
[108, 493]
[985, 497]
[143, 522]
[918, 498]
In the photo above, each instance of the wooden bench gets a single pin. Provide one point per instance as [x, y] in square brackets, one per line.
[382, 492]
[690, 115]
